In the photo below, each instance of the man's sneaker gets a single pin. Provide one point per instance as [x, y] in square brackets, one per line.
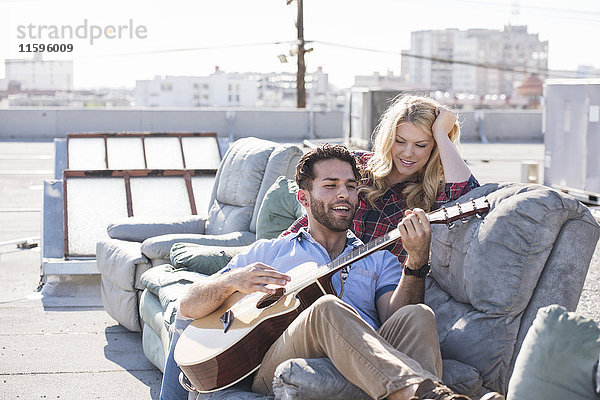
[428, 390]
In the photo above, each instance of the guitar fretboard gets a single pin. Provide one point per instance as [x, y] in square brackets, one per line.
[364, 250]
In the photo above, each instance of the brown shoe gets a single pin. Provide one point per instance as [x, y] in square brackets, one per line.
[429, 390]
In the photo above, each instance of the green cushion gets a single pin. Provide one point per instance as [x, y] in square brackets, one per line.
[279, 209]
[557, 359]
[201, 258]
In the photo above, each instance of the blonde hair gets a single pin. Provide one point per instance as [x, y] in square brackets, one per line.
[420, 111]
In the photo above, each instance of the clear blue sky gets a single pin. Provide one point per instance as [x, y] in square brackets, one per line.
[572, 29]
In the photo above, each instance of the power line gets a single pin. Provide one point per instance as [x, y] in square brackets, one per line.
[501, 67]
[560, 13]
[182, 50]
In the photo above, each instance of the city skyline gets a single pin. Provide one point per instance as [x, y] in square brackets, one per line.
[349, 37]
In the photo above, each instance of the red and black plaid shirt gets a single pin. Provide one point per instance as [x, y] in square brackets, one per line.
[371, 223]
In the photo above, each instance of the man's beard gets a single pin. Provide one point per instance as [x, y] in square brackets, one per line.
[325, 218]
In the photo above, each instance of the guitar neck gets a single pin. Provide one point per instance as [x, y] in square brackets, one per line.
[364, 250]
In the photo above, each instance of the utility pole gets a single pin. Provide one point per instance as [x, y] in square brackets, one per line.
[301, 90]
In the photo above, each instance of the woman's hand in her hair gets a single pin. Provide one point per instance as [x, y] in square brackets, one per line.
[443, 123]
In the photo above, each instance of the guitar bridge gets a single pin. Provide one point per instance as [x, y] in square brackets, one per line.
[226, 319]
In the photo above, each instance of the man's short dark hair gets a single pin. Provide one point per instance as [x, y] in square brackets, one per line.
[305, 169]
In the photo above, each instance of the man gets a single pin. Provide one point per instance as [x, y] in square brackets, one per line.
[377, 335]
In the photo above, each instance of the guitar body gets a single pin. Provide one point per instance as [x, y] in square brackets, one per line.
[213, 359]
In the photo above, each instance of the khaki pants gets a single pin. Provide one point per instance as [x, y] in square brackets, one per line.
[403, 352]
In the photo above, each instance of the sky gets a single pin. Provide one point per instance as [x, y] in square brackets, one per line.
[191, 37]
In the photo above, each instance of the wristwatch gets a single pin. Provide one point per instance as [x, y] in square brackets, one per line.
[419, 273]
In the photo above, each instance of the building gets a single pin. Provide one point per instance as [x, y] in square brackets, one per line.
[425, 70]
[219, 89]
[98, 98]
[38, 74]
[477, 61]
[233, 89]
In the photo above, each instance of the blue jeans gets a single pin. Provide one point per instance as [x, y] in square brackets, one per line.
[170, 388]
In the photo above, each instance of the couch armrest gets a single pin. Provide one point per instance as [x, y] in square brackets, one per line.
[160, 246]
[201, 258]
[138, 229]
[117, 261]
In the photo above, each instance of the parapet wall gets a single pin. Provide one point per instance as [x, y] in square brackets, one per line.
[502, 125]
[277, 125]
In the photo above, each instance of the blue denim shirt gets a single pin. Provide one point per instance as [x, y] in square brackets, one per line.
[368, 278]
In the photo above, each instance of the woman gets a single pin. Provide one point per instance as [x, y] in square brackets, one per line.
[414, 163]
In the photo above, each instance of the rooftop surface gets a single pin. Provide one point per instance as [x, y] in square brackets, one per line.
[60, 344]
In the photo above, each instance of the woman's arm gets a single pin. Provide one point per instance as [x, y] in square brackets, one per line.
[455, 169]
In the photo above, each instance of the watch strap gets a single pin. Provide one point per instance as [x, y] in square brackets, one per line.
[419, 273]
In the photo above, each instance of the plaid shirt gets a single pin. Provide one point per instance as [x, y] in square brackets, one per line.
[370, 223]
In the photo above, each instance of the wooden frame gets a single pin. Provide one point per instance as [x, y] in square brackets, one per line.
[143, 136]
[126, 175]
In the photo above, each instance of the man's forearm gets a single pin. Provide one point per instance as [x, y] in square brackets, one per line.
[410, 290]
[202, 298]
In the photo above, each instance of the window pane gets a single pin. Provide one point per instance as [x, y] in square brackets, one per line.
[160, 196]
[86, 153]
[163, 153]
[202, 186]
[201, 152]
[125, 153]
[92, 204]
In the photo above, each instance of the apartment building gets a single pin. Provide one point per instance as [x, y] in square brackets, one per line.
[479, 61]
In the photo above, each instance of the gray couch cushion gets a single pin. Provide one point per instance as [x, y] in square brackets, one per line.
[138, 229]
[313, 378]
[238, 182]
[317, 379]
[121, 304]
[118, 262]
[484, 274]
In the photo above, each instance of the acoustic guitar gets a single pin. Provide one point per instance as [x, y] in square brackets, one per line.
[224, 347]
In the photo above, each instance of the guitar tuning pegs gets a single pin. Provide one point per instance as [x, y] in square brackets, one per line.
[478, 216]
[450, 225]
[464, 220]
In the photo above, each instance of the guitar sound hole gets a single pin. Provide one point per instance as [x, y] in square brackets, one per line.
[270, 299]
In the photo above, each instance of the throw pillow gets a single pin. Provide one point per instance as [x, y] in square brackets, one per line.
[279, 209]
